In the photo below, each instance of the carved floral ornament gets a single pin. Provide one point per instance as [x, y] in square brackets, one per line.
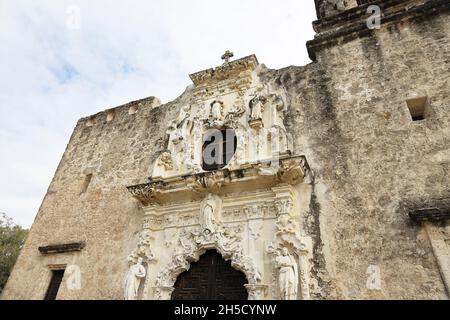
[143, 249]
[193, 244]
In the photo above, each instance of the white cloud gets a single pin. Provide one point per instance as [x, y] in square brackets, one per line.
[51, 75]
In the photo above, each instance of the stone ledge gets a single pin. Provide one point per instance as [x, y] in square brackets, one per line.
[62, 248]
[292, 170]
[430, 215]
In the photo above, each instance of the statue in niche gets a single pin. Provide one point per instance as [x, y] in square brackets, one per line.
[133, 280]
[216, 110]
[208, 219]
[287, 275]
[257, 107]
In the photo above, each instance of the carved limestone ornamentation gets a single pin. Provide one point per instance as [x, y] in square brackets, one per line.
[143, 249]
[235, 70]
[288, 276]
[256, 292]
[288, 236]
[255, 228]
[133, 279]
[146, 193]
[163, 293]
[293, 171]
[257, 107]
[210, 182]
[192, 244]
[234, 116]
[217, 109]
[170, 236]
[283, 206]
[210, 212]
[165, 161]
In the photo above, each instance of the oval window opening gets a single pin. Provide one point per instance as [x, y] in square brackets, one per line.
[219, 147]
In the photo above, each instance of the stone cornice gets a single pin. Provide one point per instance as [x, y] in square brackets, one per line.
[430, 215]
[225, 71]
[352, 23]
[292, 170]
[62, 248]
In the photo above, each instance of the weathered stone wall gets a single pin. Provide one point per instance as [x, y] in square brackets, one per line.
[350, 118]
[118, 153]
[348, 115]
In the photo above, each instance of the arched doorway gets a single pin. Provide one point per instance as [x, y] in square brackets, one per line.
[211, 278]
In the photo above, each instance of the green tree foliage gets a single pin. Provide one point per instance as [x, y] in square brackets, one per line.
[12, 239]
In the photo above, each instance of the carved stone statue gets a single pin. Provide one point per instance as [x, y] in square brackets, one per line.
[209, 207]
[133, 280]
[257, 107]
[287, 275]
[216, 110]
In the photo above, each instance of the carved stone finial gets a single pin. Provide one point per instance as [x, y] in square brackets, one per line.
[227, 56]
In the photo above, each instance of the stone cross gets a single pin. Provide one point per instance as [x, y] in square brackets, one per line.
[227, 56]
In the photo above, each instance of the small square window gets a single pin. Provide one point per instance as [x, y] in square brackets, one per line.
[86, 183]
[417, 107]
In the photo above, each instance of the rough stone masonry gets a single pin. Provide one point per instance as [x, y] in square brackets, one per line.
[359, 207]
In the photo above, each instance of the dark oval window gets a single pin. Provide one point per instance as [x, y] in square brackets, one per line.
[219, 147]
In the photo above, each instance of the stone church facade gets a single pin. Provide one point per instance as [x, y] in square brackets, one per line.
[330, 180]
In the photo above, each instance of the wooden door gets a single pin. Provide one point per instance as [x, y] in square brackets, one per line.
[211, 278]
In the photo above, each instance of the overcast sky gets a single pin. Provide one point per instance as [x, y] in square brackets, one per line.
[56, 67]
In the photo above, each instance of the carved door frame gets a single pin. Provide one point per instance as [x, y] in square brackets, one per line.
[197, 244]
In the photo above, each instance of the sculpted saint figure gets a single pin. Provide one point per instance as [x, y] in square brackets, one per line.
[216, 110]
[257, 107]
[133, 280]
[288, 275]
[208, 210]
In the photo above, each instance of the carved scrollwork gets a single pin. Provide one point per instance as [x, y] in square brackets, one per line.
[283, 206]
[234, 116]
[165, 160]
[206, 183]
[192, 244]
[292, 171]
[143, 249]
[145, 193]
